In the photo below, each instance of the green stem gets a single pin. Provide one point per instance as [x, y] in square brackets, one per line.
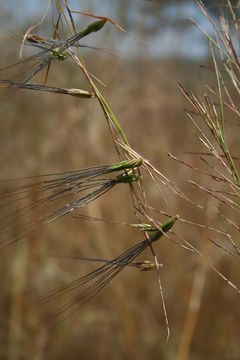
[111, 115]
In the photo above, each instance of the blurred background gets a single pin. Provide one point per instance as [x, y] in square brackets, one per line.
[46, 133]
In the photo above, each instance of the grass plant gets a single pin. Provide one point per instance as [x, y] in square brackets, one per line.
[28, 204]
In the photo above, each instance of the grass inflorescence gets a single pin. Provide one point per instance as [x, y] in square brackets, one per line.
[57, 195]
[28, 204]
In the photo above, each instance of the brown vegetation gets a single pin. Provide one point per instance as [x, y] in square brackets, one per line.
[46, 133]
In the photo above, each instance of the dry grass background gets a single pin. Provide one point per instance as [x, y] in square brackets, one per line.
[47, 133]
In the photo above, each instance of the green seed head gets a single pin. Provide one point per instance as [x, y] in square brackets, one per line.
[145, 227]
[58, 54]
[126, 164]
[126, 178]
[165, 227]
[95, 26]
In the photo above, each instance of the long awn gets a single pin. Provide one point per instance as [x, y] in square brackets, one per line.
[56, 195]
[92, 283]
